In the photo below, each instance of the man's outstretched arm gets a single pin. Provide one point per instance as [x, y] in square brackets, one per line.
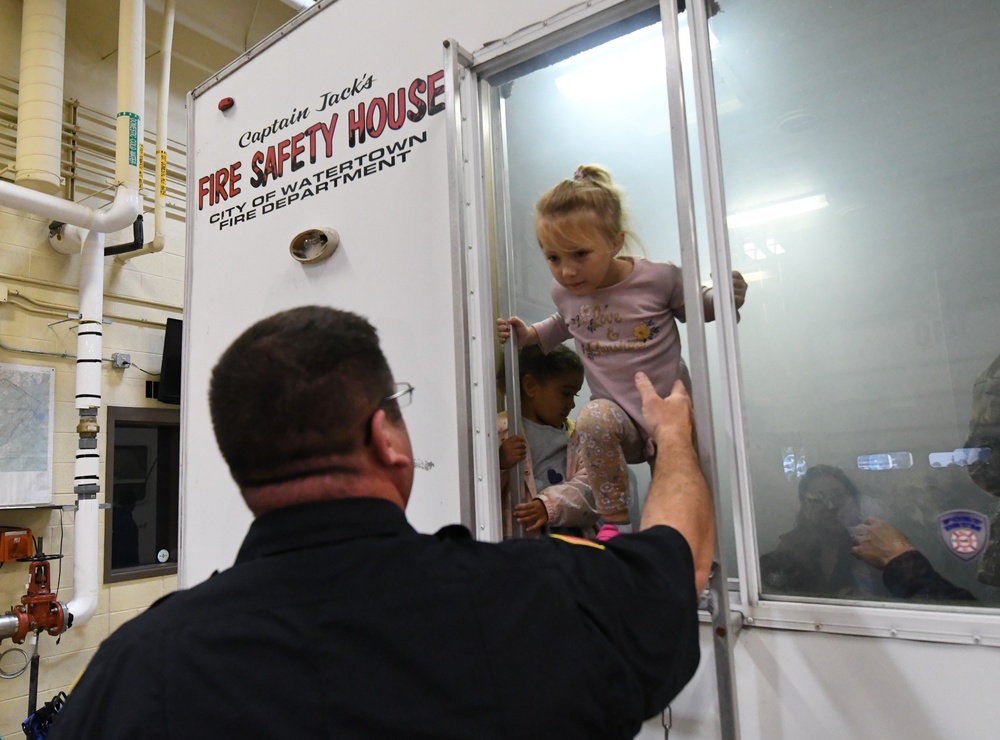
[678, 494]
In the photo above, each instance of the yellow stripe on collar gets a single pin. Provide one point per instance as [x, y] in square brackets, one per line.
[577, 541]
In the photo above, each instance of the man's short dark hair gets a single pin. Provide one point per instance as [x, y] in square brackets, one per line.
[293, 388]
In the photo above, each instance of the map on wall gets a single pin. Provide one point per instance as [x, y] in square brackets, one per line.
[27, 398]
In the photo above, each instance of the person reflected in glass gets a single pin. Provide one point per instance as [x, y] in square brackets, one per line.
[984, 436]
[815, 557]
[906, 572]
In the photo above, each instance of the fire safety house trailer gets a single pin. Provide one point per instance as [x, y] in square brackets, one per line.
[842, 156]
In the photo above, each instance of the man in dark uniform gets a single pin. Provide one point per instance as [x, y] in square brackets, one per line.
[339, 620]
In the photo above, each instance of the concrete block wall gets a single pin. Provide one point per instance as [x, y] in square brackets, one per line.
[139, 296]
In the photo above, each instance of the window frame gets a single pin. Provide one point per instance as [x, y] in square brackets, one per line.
[944, 623]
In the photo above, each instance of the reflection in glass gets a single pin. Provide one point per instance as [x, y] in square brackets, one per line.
[814, 557]
[864, 336]
[143, 483]
[860, 167]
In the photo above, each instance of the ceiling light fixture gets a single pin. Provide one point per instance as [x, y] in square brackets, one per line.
[778, 210]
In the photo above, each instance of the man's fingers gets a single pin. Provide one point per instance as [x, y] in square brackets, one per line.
[643, 385]
[648, 393]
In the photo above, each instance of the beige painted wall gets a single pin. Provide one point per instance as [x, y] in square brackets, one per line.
[146, 289]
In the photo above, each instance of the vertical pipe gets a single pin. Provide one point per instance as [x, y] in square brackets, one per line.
[162, 124]
[162, 108]
[89, 338]
[85, 586]
[127, 204]
[131, 67]
[40, 96]
[88, 402]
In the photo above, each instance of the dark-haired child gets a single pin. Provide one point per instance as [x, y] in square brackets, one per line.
[557, 491]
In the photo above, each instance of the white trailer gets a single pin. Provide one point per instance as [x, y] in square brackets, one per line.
[842, 156]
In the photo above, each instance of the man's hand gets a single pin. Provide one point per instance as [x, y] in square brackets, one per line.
[671, 415]
[739, 288]
[678, 493]
[512, 451]
[878, 542]
[532, 515]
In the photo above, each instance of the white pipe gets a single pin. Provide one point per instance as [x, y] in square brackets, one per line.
[131, 81]
[84, 602]
[68, 239]
[90, 335]
[122, 212]
[127, 205]
[40, 95]
[162, 109]
[119, 215]
[86, 476]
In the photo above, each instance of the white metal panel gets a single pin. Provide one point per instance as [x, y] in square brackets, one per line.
[394, 263]
[832, 687]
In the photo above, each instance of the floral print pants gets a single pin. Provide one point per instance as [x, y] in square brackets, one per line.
[609, 440]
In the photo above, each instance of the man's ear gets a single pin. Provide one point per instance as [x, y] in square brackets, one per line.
[387, 440]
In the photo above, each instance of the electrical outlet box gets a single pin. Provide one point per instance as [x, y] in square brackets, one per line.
[121, 359]
[15, 543]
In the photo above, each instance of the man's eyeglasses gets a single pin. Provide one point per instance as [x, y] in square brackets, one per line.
[403, 396]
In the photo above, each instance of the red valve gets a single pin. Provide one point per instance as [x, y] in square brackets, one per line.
[40, 610]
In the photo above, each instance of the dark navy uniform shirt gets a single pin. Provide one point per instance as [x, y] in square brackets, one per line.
[339, 620]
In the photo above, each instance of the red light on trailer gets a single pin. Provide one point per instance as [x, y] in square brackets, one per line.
[226, 103]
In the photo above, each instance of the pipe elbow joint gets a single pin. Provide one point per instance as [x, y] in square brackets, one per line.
[122, 213]
[81, 610]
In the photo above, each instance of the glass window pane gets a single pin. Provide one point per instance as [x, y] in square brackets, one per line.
[142, 491]
[862, 169]
[605, 106]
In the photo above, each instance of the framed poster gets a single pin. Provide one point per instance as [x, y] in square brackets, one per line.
[27, 404]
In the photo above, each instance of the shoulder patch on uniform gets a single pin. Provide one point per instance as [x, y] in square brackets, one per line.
[577, 541]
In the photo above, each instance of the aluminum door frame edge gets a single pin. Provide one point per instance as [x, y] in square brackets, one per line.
[560, 29]
[730, 376]
[182, 580]
[479, 477]
[723, 635]
[494, 118]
